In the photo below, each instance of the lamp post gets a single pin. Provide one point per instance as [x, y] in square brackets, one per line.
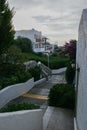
[39, 63]
[48, 59]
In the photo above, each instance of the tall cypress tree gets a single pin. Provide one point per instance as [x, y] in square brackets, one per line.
[6, 27]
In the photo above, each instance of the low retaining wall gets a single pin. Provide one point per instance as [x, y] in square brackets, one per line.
[39, 81]
[58, 71]
[21, 120]
[11, 92]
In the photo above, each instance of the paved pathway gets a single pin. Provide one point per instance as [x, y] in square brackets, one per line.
[58, 119]
[60, 78]
[39, 94]
[59, 71]
[54, 118]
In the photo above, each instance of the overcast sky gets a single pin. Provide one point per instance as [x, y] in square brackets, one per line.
[56, 19]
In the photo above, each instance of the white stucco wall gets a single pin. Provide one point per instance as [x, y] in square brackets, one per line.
[22, 120]
[29, 34]
[11, 92]
[40, 81]
[39, 50]
[81, 115]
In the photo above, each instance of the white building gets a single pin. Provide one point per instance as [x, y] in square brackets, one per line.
[81, 75]
[38, 41]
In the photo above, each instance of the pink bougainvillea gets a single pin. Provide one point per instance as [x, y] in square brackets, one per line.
[70, 48]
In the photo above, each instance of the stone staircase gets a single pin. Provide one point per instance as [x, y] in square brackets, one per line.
[45, 70]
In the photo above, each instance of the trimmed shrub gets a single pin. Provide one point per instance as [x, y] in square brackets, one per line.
[62, 95]
[35, 72]
[23, 77]
[58, 64]
[18, 107]
[55, 62]
[17, 78]
[24, 44]
[8, 81]
[70, 74]
[7, 69]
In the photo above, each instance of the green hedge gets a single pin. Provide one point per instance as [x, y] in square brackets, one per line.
[55, 62]
[70, 74]
[7, 69]
[14, 74]
[35, 72]
[23, 77]
[14, 79]
[62, 95]
[58, 64]
[18, 107]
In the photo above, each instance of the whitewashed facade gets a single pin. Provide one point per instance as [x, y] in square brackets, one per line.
[38, 41]
[81, 84]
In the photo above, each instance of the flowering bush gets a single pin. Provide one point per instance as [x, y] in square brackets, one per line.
[70, 49]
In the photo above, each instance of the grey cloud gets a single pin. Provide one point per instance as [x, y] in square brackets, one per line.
[65, 5]
[59, 6]
[62, 27]
[52, 19]
[56, 23]
[42, 18]
[63, 16]
[55, 5]
[23, 4]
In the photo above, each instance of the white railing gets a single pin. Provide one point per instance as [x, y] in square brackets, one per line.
[45, 69]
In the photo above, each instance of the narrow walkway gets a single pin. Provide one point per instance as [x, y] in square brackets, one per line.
[54, 118]
[58, 119]
[39, 94]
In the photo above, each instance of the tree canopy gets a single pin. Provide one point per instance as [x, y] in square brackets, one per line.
[24, 44]
[6, 27]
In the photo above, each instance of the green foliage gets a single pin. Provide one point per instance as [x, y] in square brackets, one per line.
[7, 69]
[70, 49]
[12, 74]
[24, 44]
[18, 107]
[55, 48]
[54, 54]
[62, 95]
[8, 81]
[55, 62]
[70, 74]
[13, 55]
[58, 64]
[14, 79]
[35, 72]
[23, 77]
[6, 27]
[61, 51]
[40, 54]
